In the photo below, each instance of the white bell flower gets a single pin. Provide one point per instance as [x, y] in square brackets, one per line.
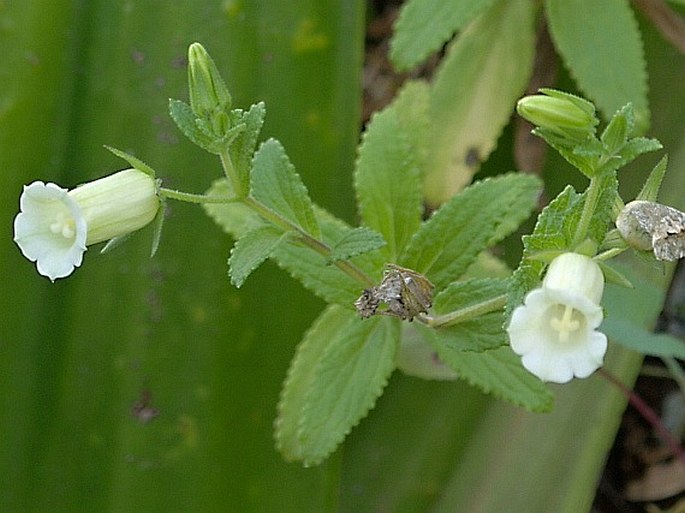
[554, 331]
[54, 225]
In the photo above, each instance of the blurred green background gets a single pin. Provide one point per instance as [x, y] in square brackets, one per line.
[77, 356]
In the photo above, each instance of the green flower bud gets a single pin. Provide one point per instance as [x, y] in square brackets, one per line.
[209, 96]
[565, 115]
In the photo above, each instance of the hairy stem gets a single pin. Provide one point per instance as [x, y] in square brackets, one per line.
[465, 314]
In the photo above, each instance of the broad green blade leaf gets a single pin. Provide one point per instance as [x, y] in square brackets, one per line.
[387, 182]
[485, 71]
[275, 183]
[602, 47]
[301, 376]
[498, 372]
[479, 333]
[423, 26]
[251, 250]
[411, 106]
[355, 242]
[450, 241]
[650, 190]
[339, 370]
[349, 376]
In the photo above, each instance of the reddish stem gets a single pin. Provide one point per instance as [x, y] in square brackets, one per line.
[648, 414]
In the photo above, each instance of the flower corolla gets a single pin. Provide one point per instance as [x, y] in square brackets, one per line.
[54, 225]
[554, 331]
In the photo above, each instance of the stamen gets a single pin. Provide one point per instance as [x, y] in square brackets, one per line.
[64, 226]
[565, 325]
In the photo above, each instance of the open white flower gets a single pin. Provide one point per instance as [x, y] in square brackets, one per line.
[554, 331]
[54, 225]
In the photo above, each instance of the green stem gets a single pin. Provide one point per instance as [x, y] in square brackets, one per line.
[193, 198]
[589, 207]
[465, 314]
[317, 245]
[232, 175]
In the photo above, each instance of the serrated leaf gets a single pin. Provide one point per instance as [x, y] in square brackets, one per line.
[498, 372]
[616, 133]
[316, 273]
[450, 241]
[485, 71]
[355, 242]
[587, 34]
[244, 144]
[251, 250]
[650, 190]
[631, 150]
[276, 184]
[387, 182]
[423, 26]
[185, 120]
[411, 105]
[583, 161]
[340, 369]
[312, 269]
[478, 333]
[236, 219]
[555, 229]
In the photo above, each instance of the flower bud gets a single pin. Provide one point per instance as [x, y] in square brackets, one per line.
[209, 95]
[55, 225]
[565, 115]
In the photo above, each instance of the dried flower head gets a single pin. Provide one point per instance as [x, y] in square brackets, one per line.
[650, 226]
[404, 292]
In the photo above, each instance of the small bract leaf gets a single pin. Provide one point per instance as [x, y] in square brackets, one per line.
[650, 190]
[355, 242]
[275, 183]
[243, 146]
[450, 241]
[185, 120]
[134, 161]
[251, 250]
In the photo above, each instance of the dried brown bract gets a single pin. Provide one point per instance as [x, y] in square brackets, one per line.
[405, 294]
[650, 226]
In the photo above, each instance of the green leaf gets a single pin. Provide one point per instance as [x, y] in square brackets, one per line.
[423, 26]
[478, 333]
[616, 133]
[387, 182]
[587, 33]
[275, 183]
[134, 161]
[317, 274]
[244, 144]
[485, 71]
[450, 241]
[631, 150]
[498, 372]
[341, 367]
[355, 242]
[235, 219]
[555, 231]
[650, 190]
[251, 250]
[185, 120]
[411, 106]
